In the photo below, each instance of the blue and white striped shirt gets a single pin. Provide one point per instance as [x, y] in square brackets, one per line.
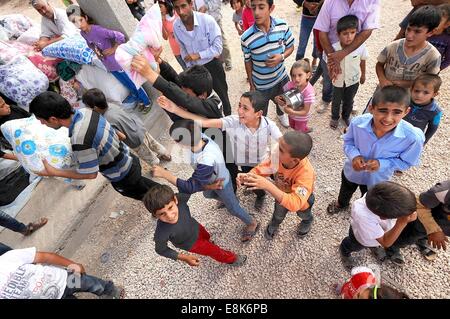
[96, 146]
[259, 46]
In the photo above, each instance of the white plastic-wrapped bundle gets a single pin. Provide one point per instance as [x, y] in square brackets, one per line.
[32, 142]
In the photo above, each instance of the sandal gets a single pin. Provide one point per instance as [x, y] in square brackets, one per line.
[396, 258]
[334, 208]
[32, 227]
[427, 252]
[334, 124]
[248, 235]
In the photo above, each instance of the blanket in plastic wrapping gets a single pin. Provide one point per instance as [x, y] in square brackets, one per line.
[32, 142]
[21, 81]
[14, 25]
[147, 34]
[72, 48]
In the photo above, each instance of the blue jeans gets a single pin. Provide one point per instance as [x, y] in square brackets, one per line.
[327, 90]
[135, 94]
[87, 283]
[228, 197]
[11, 223]
[306, 26]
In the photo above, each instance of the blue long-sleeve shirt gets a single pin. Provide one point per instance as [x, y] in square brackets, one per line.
[397, 150]
[426, 117]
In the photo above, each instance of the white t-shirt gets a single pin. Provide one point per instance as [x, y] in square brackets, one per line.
[367, 226]
[21, 279]
[61, 26]
[250, 148]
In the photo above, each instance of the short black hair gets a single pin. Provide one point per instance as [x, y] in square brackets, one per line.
[390, 200]
[188, 1]
[386, 292]
[391, 94]
[157, 197]
[256, 99]
[48, 104]
[240, 1]
[427, 78]
[347, 22]
[300, 143]
[95, 98]
[426, 16]
[198, 79]
[186, 132]
[269, 2]
[169, 6]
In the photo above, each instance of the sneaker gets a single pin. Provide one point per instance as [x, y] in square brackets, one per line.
[323, 107]
[396, 257]
[304, 228]
[347, 261]
[259, 202]
[220, 204]
[240, 261]
[228, 67]
[334, 124]
[117, 293]
[334, 208]
[284, 120]
[379, 253]
[269, 232]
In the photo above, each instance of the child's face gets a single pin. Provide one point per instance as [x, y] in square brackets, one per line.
[168, 214]
[445, 23]
[5, 109]
[236, 5]
[422, 93]
[347, 36]
[80, 22]
[386, 116]
[261, 11]
[416, 36]
[189, 91]
[284, 156]
[163, 8]
[300, 77]
[246, 112]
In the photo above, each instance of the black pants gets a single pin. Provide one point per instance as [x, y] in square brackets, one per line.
[234, 171]
[344, 95]
[134, 185]
[11, 223]
[347, 189]
[219, 83]
[413, 232]
[271, 93]
[4, 248]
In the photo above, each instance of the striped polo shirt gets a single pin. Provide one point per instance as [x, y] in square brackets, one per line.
[259, 46]
[96, 146]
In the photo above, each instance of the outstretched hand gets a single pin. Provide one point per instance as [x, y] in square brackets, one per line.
[167, 104]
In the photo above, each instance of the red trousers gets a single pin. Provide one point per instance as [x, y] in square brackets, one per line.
[206, 248]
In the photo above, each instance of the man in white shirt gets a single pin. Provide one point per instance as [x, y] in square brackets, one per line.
[54, 24]
[385, 217]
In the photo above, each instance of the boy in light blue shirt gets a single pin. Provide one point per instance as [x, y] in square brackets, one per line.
[377, 144]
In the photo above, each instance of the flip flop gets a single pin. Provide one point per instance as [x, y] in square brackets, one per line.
[427, 253]
[32, 227]
[248, 235]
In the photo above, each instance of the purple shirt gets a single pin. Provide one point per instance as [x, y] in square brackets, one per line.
[367, 12]
[442, 44]
[100, 39]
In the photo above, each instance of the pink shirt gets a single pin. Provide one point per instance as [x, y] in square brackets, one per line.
[367, 12]
[168, 25]
[309, 97]
[247, 18]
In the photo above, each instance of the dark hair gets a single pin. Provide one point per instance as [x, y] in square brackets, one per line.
[157, 197]
[392, 94]
[186, 132]
[386, 292]
[444, 10]
[169, 6]
[426, 16]
[390, 200]
[300, 143]
[198, 79]
[347, 22]
[432, 79]
[269, 2]
[256, 99]
[240, 1]
[76, 10]
[188, 1]
[95, 98]
[48, 104]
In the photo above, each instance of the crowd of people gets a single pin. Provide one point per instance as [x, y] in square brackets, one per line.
[244, 148]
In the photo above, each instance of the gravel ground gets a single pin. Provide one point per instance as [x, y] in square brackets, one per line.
[123, 248]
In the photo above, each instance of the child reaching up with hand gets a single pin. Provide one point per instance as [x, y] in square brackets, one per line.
[300, 75]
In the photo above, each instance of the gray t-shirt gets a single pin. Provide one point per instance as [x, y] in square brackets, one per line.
[183, 234]
[128, 124]
[237, 17]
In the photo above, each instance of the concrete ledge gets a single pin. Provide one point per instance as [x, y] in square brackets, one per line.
[63, 205]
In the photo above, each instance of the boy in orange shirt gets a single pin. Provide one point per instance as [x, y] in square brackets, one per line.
[293, 184]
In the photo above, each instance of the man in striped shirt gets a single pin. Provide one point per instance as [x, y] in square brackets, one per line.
[95, 144]
[266, 45]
